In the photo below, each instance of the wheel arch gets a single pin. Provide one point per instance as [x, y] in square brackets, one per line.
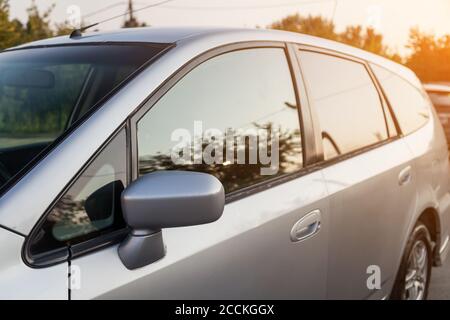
[430, 218]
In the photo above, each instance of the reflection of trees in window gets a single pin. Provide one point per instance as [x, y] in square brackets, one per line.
[336, 150]
[69, 213]
[234, 175]
[41, 110]
[100, 209]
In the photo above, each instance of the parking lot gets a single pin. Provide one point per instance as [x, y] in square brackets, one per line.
[440, 283]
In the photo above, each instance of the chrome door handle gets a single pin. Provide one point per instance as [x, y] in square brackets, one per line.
[404, 177]
[306, 227]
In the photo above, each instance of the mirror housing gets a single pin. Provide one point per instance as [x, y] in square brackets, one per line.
[166, 199]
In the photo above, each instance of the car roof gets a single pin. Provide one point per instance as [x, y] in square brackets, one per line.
[174, 35]
[145, 34]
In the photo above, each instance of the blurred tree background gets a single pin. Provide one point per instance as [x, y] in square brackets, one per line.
[38, 26]
[428, 55]
[364, 38]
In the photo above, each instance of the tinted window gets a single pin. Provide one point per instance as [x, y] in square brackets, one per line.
[43, 91]
[409, 103]
[92, 204]
[347, 103]
[234, 116]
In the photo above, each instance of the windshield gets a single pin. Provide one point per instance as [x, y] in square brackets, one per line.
[44, 91]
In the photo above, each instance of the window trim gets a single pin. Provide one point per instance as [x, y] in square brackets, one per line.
[307, 150]
[322, 163]
[388, 111]
[306, 116]
[391, 108]
[67, 253]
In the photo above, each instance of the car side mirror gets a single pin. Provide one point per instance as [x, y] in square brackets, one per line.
[166, 199]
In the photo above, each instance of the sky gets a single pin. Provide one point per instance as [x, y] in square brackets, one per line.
[392, 18]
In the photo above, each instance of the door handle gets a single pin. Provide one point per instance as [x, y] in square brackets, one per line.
[404, 177]
[306, 227]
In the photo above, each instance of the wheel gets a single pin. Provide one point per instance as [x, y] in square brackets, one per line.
[413, 278]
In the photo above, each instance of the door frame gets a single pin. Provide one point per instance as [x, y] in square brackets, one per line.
[385, 106]
[111, 238]
[309, 148]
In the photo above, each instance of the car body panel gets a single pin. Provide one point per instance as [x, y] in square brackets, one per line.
[431, 158]
[247, 254]
[440, 96]
[19, 281]
[366, 219]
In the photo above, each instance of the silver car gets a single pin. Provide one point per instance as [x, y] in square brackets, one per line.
[184, 163]
[440, 96]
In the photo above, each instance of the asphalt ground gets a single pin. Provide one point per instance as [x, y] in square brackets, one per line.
[440, 282]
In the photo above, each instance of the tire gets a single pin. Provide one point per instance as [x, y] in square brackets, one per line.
[415, 268]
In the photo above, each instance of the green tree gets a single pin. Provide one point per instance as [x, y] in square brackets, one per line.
[429, 57]
[312, 25]
[38, 25]
[10, 30]
[365, 38]
[62, 29]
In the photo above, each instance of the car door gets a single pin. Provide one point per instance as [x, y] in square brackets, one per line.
[19, 281]
[272, 239]
[368, 172]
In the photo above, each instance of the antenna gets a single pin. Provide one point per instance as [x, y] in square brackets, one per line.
[333, 16]
[78, 32]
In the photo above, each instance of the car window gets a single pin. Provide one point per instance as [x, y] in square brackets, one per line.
[234, 116]
[411, 107]
[346, 101]
[43, 91]
[91, 206]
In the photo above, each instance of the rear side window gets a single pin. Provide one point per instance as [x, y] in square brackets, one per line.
[409, 104]
[347, 103]
[234, 116]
